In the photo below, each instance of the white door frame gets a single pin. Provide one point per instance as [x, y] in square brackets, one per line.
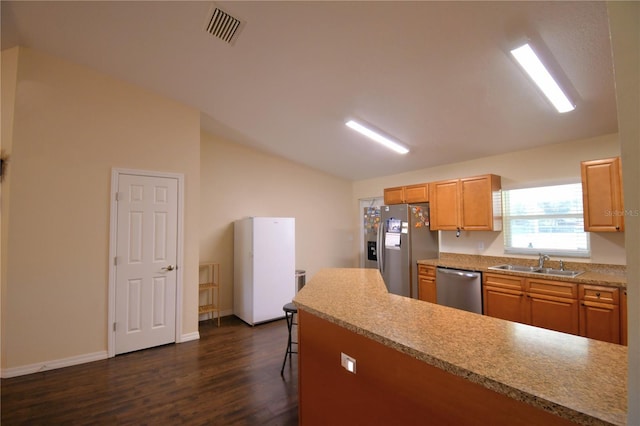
[113, 223]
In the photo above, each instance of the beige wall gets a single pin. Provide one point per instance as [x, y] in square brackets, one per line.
[9, 61]
[548, 165]
[71, 127]
[237, 182]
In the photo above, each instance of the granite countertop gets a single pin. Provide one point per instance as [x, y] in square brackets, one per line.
[580, 379]
[597, 274]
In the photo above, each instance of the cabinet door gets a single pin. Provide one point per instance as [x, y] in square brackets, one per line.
[504, 303]
[600, 321]
[427, 289]
[554, 313]
[602, 195]
[444, 205]
[394, 195]
[476, 212]
[427, 283]
[503, 297]
[416, 193]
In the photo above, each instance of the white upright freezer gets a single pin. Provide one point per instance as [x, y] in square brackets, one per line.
[264, 267]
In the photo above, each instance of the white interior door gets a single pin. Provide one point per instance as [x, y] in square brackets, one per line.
[146, 262]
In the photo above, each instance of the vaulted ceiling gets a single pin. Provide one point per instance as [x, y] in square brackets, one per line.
[437, 76]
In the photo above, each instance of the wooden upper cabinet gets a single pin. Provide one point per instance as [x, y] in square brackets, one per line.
[602, 195]
[444, 207]
[394, 195]
[481, 207]
[418, 193]
[471, 204]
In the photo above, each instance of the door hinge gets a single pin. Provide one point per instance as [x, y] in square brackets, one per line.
[115, 261]
[118, 196]
[114, 326]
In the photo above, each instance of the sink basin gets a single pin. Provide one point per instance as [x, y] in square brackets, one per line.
[560, 272]
[516, 268]
[536, 270]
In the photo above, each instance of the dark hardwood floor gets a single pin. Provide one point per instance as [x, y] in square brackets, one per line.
[230, 376]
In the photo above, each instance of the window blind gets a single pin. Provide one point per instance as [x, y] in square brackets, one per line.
[545, 220]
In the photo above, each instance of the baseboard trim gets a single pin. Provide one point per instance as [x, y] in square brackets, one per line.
[189, 337]
[23, 370]
[52, 365]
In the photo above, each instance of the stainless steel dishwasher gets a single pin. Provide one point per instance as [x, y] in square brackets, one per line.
[459, 289]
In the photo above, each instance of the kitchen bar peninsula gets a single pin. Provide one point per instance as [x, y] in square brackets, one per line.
[420, 363]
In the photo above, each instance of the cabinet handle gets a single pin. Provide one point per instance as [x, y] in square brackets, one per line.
[598, 295]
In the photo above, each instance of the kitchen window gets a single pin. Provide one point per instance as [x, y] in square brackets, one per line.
[545, 220]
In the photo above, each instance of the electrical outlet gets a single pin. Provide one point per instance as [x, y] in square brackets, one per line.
[348, 362]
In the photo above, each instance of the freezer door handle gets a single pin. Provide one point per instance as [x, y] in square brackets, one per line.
[380, 246]
[459, 273]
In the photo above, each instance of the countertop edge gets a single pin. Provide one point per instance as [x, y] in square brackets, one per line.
[587, 277]
[501, 388]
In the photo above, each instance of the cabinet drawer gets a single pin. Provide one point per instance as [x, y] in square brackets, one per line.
[429, 271]
[601, 294]
[504, 281]
[552, 288]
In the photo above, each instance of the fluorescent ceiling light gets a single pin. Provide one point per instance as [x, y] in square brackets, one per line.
[527, 58]
[377, 137]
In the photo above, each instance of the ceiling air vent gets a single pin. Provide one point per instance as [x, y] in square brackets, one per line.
[223, 26]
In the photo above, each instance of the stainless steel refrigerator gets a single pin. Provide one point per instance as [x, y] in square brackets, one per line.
[404, 238]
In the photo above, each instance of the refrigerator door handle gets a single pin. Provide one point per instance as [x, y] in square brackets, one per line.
[380, 247]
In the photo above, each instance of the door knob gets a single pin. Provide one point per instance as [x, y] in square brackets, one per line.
[169, 268]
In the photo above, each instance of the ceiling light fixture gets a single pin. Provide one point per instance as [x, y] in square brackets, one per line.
[371, 134]
[528, 60]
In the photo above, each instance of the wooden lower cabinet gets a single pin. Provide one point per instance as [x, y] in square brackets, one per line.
[427, 283]
[392, 387]
[543, 303]
[503, 297]
[596, 312]
[600, 313]
[554, 313]
[553, 305]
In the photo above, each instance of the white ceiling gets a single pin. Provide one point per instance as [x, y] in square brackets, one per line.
[436, 75]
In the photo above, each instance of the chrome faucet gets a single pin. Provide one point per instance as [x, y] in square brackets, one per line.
[541, 260]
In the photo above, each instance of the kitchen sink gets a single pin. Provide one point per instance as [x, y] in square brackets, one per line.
[536, 270]
[516, 268]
